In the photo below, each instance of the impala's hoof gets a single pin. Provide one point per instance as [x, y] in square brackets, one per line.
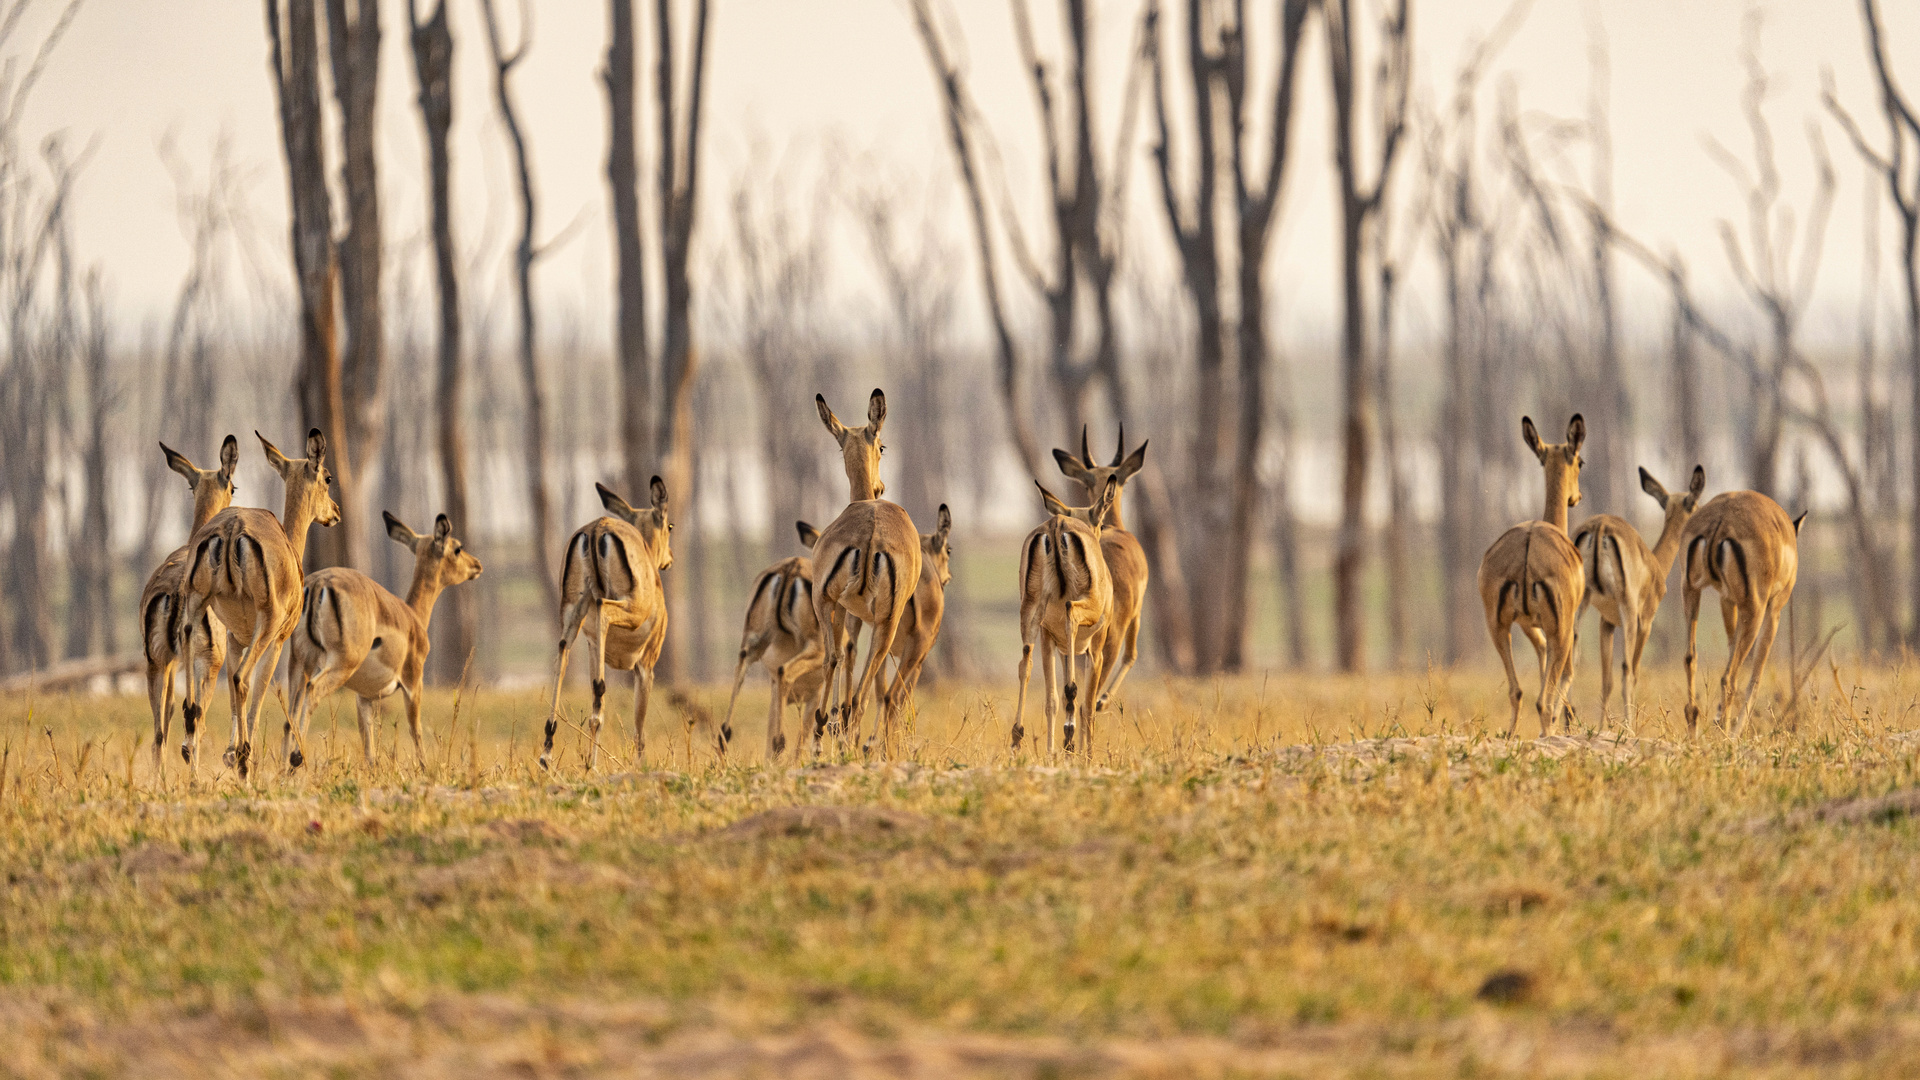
[186, 753]
[1066, 738]
[230, 759]
[726, 735]
[778, 745]
[1100, 705]
[296, 759]
[1018, 734]
[819, 724]
[545, 763]
[245, 756]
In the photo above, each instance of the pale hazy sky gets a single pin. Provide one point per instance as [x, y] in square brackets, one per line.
[792, 75]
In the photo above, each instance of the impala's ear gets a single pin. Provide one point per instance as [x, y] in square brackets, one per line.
[615, 505]
[944, 526]
[1532, 438]
[1051, 502]
[442, 527]
[1134, 463]
[1069, 465]
[398, 530]
[809, 536]
[834, 427]
[1653, 487]
[876, 409]
[1699, 482]
[275, 458]
[1797, 522]
[229, 456]
[657, 491]
[1108, 494]
[316, 446]
[178, 462]
[1576, 432]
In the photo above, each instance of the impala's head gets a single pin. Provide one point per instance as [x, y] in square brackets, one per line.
[935, 551]
[212, 488]
[307, 480]
[1679, 505]
[860, 448]
[1093, 476]
[809, 536]
[440, 555]
[1561, 460]
[652, 523]
[1098, 515]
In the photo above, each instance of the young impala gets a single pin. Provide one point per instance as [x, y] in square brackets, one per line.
[159, 601]
[358, 635]
[920, 627]
[782, 636]
[610, 589]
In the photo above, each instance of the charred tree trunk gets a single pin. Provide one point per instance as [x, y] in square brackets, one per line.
[433, 69]
[296, 71]
[535, 424]
[353, 44]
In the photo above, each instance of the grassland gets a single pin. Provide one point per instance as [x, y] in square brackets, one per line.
[1253, 877]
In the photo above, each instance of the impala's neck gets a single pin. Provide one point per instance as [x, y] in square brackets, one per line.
[203, 512]
[1556, 512]
[1114, 521]
[1669, 545]
[861, 489]
[428, 584]
[295, 519]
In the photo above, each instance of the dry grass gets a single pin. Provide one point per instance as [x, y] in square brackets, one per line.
[1253, 877]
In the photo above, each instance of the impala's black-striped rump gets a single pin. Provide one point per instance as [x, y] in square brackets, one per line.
[161, 607]
[799, 585]
[840, 563]
[1719, 547]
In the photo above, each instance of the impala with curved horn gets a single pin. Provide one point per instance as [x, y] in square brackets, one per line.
[1126, 559]
[1066, 598]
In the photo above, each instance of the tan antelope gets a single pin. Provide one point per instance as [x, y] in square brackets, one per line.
[1532, 576]
[1066, 599]
[610, 588]
[783, 636]
[358, 635]
[865, 567]
[245, 565]
[1126, 559]
[1744, 546]
[920, 627]
[159, 601]
[1626, 581]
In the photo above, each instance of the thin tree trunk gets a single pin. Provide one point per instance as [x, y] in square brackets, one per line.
[296, 68]
[432, 43]
[354, 47]
[623, 181]
[534, 426]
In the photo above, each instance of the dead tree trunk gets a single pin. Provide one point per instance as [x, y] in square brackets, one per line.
[296, 75]
[1903, 190]
[1357, 206]
[90, 630]
[432, 43]
[679, 173]
[535, 425]
[353, 44]
[631, 357]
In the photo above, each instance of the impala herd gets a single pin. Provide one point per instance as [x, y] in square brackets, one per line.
[235, 590]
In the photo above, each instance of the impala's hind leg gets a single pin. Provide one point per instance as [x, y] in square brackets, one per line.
[1760, 652]
[1503, 644]
[1743, 629]
[1692, 663]
[160, 699]
[642, 690]
[569, 631]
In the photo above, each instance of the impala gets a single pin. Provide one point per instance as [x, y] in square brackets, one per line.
[1066, 599]
[1126, 559]
[1743, 545]
[865, 567]
[1626, 580]
[245, 565]
[920, 627]
[159, 601]
[1532, 576]
[358, 635]
[610, 588]
[782, 636]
